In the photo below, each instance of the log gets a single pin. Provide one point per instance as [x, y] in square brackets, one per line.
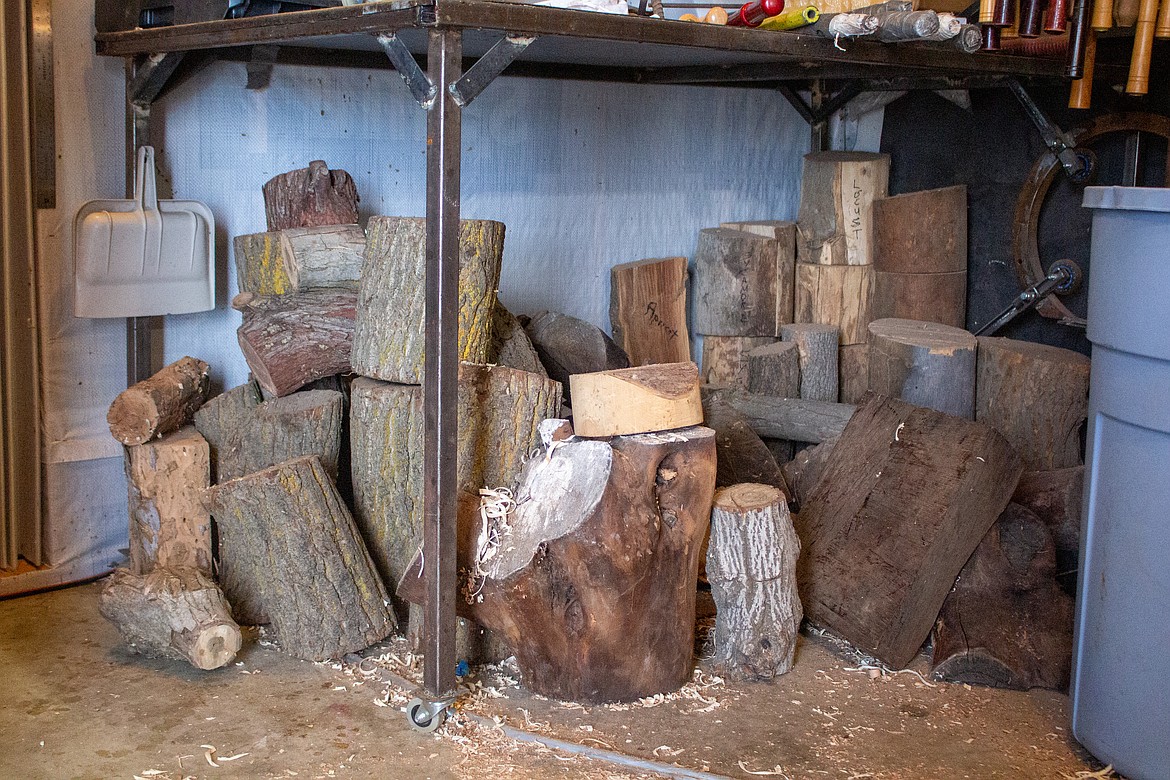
[804, 471]
[853, 372]
[388, 339]
[923, 363]
[751, 565]
[567, 346]
[1036, 396]
[795, 419]
[837, 191]
[163, 403]
[774, 369]
[905, 498]
[725, 358]
[740, 454]
[603, 535]
[636, 400]
[927, 297]
[839, 295]
[1056, 498]
[736, 284]
[510, 345]
[648, 310]
[324, 256]
[311, 196]
[1006, 623]
[817, 349]
[784, 233]
[172, 613]
[921, 232]
[259, 262]
[291, 340]
[169, 526]
[247, 435]
[288, 544]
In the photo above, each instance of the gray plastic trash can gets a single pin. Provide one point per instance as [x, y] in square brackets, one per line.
[1121, 679]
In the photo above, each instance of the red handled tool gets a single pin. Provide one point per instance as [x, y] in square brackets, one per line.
[754, 12]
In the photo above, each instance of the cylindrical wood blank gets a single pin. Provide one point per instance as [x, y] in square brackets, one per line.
[310, 196]
[836, 295]
[160, 404]
[923, 363]
[817, 347]
[725, 359]
[853, 372]
[1037, 397]
[774, 369]
[751, 565]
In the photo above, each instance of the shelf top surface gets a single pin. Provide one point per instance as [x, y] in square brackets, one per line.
[711, 53]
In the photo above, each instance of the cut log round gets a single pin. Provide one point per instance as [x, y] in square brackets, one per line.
[310, 196]
[324, 256]
[928, 297]
[1037, 397]
[260, 264]
[838, 295]
[172, 613]
[291, 340]
[853, 372]
[388, 339]
[567, 346]
[803, 472]
[725, 359]
[784, 234]
[511, 346]
[1056, 498]
[923, 363]
[794, 419]
[921, 233]
[289, 545]
[636, 400]
[648, 310]
[735, 284]
[163, 403]
[837, 191]
[817, 349]
[774, 369]
[740, 455]
[751, 565]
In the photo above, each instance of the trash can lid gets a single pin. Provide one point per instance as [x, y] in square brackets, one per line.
[1127, 198]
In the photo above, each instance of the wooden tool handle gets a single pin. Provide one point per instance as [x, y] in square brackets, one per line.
[1125, 12]
[1056, 17]
[1102, 14]
[1143, 44]
[1162, 28]
[1031, 16]
[1081, 93]
[987, 11]
[1005, 13]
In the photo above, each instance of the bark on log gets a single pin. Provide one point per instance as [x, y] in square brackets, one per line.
[388, 339]
[291, 340]
[736, 284]
[310, 196]
[172, 613]
[288, 543]
[1037, 397]
[774, 369]
[921, 232]
[603, 535]
[784, 234]
[636, 400]
[169, 525]
[751, 565]
[325, 256]
[1056, 498]
[817, 348]
[904, 500]
[160, 404]
[725, 359]
[837, 191]
[804, 471]
[260, 264]
[853, 372]
[838, 295]
[510, 345]
[567, 346]
[794, 419]
[648, 310]
[925, 364]
[740, 455]
[1006, 623]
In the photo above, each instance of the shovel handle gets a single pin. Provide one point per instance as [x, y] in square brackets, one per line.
[145, 187]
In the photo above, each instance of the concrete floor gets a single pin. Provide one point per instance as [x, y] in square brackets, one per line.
[78, 706]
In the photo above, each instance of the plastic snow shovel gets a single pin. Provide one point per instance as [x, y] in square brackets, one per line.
[143, 257]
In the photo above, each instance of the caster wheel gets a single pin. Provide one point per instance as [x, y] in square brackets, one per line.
[1074, 276]
[426, 716]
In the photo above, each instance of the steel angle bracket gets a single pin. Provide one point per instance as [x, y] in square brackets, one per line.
[485, 70]
[421, 88]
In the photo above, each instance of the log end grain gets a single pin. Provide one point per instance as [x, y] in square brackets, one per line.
[160, 404]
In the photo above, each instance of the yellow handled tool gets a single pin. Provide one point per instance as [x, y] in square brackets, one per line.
[794, 18]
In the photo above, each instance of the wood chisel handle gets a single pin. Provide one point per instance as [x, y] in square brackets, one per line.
[1102, 15]
[1056, 17]
[1081, 93]
[754, 12]
[1143, 45]
[1162, 28]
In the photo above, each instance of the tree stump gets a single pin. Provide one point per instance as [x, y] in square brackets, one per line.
[751, 565]
[172, 613]
[160, 404]
[725, 359]
[310, 196]
[925, 364]
[648, 310]
[1037, 396]
[169, 526]
[837, 191]
[260, 264]
[291, 340]
[289, 546]
[567, 346]
[736, 284]
[511, 346]
[388, 338]
[837, 295]
[324, 256]
[636, 400]
[774, 369]
[817, 350]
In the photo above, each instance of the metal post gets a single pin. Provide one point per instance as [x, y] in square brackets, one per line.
[138, 336]
[440, 377]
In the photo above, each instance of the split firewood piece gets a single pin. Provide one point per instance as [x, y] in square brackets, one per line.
[735, 284]
[288, 543]
[323, 256]
[725, 360]
[604, 534]
[838, 295]
[741, 456]
[389, 336]
[774, 369]
[169, 525]
[1056, 498]
[510, 345]
[837, 191]
[636, 400]
[817, 350]
[160, 404]
[1006, 623]
[311, 196]
[567, 346]
[291, 340]
[260, 264]
[247, 435]
[904, 500]
[751, 565]
[853, 372]
[795, 419]
[1037, 396]
[923, 363]
[172, 613]
[648, 310]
